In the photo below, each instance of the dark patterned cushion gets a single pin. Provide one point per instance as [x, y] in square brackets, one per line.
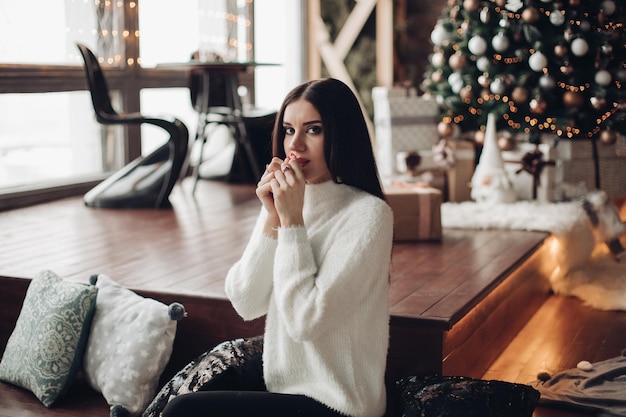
[230, 365]
[450, 396]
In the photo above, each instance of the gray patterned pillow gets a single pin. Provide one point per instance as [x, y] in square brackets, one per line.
[44, 352]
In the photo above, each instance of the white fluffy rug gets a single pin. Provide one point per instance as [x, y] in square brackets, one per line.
[585, 267]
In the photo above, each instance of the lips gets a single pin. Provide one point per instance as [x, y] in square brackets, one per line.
[301, 161]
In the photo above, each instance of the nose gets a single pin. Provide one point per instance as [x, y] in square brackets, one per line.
[297, 142]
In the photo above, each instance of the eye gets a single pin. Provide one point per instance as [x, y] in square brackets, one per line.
[314, 129]
[288, 130]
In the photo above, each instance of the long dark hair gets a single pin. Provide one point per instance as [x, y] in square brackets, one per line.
[347, 143]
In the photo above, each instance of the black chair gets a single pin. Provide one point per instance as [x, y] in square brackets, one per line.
[147, 181]
[216, 100]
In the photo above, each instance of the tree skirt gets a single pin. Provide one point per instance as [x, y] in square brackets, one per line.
[585, 268]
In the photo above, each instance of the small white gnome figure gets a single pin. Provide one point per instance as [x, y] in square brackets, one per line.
[490, 182]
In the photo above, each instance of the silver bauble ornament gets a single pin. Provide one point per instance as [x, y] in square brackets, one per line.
[477, 45]
[439, 35]
[603, 78]
[483, 63]
[497, 86]
[537, 62]
[485, 15]
[500, 42]
[546, 82]
[557, 18]
[608, 6]
[579, 47]
[438, 59]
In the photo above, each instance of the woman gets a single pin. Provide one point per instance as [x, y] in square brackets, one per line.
[316, 267]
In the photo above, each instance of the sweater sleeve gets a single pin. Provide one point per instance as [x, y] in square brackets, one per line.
[249, 281]
[311, 295]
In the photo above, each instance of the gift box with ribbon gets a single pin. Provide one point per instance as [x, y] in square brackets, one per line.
[404, 122]
[531, 169]
[416, 212]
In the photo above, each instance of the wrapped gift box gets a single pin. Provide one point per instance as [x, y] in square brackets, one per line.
[570, 172]
[456, 184]
[416, 212]
[575, 165]
[403, 122]
[460, 175]
[523, 182]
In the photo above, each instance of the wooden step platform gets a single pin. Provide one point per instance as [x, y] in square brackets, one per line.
[441, 292]
[455, 304]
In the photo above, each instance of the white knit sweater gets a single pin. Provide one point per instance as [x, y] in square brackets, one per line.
[324, 290]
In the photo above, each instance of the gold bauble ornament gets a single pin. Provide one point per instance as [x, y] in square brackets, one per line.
[437, 76]
[519, 94]
[445, 130]
[573, 99]
[457, 61]
[560, 50]
[574, 3]
[501, 3]
[466, 93]
[471, 5]
[530, 15]
[567, 69]
[608, 137]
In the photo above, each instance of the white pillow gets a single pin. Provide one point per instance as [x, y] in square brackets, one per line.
[129, 346]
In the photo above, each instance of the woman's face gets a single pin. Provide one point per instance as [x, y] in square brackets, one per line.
[304, 137]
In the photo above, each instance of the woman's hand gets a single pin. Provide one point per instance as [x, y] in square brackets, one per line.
[287, 189]
[264, 193]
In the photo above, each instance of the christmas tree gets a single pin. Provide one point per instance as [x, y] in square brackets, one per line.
[542, 66]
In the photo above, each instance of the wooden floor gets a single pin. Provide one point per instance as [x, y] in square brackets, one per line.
[188, 250]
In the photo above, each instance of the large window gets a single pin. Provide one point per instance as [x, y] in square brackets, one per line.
[49, 137]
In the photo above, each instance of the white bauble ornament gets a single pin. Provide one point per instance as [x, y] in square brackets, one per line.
[454, 78]
[438, 59]
[557, 18]
[439, 35]
[497, 86]
[500, 42]
[456, 82]
[608, 7]
[484, 80]
[546, 82]
[477, 45]
[483, 63]
[537, 62]
[485, 15]
[456, 87]
[579, 47]
[514, 5]
[603, 77]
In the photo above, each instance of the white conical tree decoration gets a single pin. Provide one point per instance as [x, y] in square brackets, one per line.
[490, 182]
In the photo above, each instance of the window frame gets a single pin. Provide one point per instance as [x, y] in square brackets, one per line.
[127, 79]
